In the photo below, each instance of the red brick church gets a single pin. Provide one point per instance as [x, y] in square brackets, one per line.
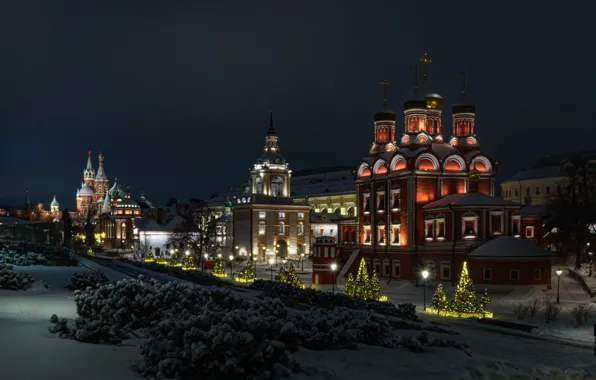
[429, 203]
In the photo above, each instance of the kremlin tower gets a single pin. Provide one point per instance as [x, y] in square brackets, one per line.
[93, 194]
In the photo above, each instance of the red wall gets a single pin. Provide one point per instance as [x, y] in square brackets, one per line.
[500, 271]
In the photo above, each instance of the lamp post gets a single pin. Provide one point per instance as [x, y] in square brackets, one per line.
[205, 256]
[302, 261]
[590, 266]
[231, 257]
[271, 268]
[424, 277]
[284, 262]
[559, 272]
[333, 269]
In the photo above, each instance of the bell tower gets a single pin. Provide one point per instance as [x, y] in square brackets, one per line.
[464, 135]
[384, 139]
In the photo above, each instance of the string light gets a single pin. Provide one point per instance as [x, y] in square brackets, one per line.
[218, 268]
[247, 274]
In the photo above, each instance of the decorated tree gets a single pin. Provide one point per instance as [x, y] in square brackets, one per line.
[162, 258]
[248, 273]
[282, 275]
[484, 300]
[292, 278]
[464, 299]
[218, 268]
[189, 263]
[175, 261]
[360, 285]
[149, 258]
[374, 286]
[439, 301]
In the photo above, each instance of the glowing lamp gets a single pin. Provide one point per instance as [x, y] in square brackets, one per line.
[171, 251]
[559, 272]
[187, 253]
[271, 261]
[231, 257]
[334, 267]
[206, 255]
[425, 274]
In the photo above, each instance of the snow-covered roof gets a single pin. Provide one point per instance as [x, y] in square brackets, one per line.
[470, 199]
[508, 246]
[533, 210]
[146, 224]
[538, 173]
[86, 190]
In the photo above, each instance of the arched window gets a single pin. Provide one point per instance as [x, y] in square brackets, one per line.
[300, 228]
[337, 211]
[351, 212]
[259, 183]
[276, 186]
[282, 228]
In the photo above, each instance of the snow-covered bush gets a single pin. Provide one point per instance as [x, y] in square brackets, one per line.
[520, 310]
[328, 300]
[579, 313]
[551, 309]
[81, 281]
[43, 257]
[196, 276]
[533, 306]
[11, 280]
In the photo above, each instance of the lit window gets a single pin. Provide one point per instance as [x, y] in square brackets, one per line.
[380, 202]
[516, 228]
[469, 227]
[429, 230]
[440, 229]
[367, 237]
[262, 214]
[300, 215]
[514, 274]
[366, 204]
[300, 228]
[381, 235]
[261, 228]
[395, 200]
[282, 215]
[281, 228]
[395, 234]
[529, 232]
[487, 274]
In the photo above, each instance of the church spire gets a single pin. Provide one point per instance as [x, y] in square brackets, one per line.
[271, 130]
[89, 173]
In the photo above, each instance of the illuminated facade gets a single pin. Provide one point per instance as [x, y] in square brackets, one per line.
[267, 222]
[94, 190]
[426, 203]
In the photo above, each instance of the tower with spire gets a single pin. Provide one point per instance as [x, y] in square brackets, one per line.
[55, 208]
[464, 136]
[91, 195]
[100, 182]
[384, 131]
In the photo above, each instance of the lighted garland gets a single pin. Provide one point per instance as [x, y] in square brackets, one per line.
[218, 269]
[363, 286]
[247, 274]
[439, 301]
[449, 313]
[289, 277]
[149, 258]
[161, 259]
[175, 261]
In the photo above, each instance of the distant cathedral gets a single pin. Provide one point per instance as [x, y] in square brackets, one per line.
[95, 197]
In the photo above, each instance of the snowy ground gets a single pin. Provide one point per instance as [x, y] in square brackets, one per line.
[24, 319]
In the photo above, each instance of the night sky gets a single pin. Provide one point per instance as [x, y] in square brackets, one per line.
[176, 93]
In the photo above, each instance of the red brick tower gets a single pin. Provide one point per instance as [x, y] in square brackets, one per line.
[324, 255]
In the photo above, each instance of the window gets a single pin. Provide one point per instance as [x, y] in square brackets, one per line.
[440, 229]
[386, 268]
[262, 214]
[496, 222]
[515, 229]
[377, 265]
[487, 274]
[380, 202]
[537, 274]
[366, 206]
[469, 227]
[351, 212]
[445, 270]
[366, 235]
[261, 228]
[300, 228]
[517, 192]
[381, 235]
[337, 211]
[282, 215]
[537, 190]
[395, 234]
[300, 215]
[395, 200]
[547, 189]
[396, 268]
[429, 230]
[514, 274]
[282, 228]
[529, 232]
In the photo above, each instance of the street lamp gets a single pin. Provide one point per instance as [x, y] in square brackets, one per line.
[271, 268]
[284, 262]
[231, 266]
[333, 269]
[424, 277]
[302, 260]
[205, 256]
[559, 272]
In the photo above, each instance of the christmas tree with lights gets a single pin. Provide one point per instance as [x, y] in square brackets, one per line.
[218, 268]
[349, 287]
[292, 278]
[484, 300]
[175, 261]
[161, 259]
[359, 286]
[248, 273]
[149, 258]
[189, 263]
[282, 275]
[464, 299]
[374, 286]
[439, 301]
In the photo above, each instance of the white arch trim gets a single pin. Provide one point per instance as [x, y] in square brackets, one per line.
[429, 156]
[395, 159]
[473, 139]
[390, 147]
[424, 136]
[454, 157]
[378, 165]
[485, 161]
[363, 166]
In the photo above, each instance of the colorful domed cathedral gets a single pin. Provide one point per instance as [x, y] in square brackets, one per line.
[427, 203]
[95, 197]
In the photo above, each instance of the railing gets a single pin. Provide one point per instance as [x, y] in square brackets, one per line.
[580, 279]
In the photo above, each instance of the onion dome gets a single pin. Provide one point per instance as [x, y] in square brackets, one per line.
[464, 108]
[434, 101]
[128, 203]
[100, 201]
[385, 115]
[86, 191]
[116, 191]
[107, 206]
